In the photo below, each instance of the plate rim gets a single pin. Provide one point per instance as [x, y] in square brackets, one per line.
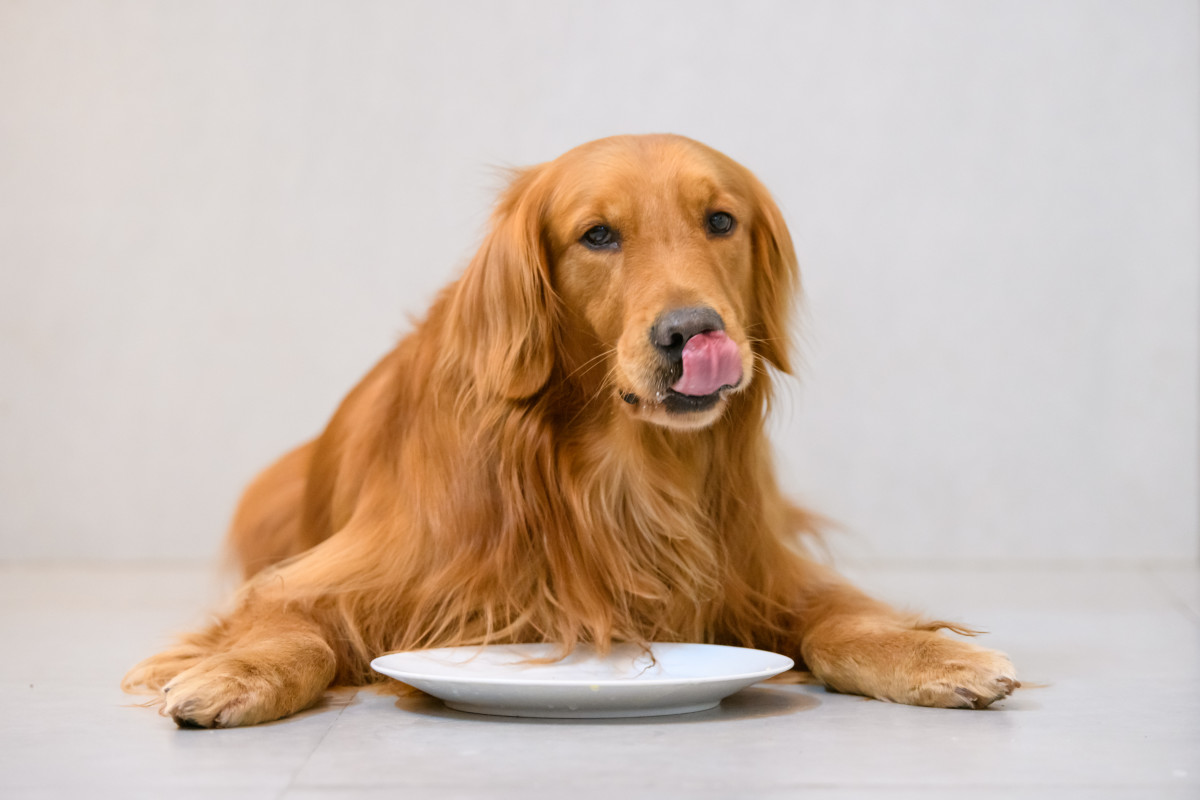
[761, 674]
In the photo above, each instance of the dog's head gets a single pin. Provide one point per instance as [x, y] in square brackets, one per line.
[651, 269]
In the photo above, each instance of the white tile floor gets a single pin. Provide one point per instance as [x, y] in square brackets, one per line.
[1116, 653]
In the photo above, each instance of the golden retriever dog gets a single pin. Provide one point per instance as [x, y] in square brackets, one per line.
[569, 448]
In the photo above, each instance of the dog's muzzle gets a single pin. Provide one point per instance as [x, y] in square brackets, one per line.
[700, 361]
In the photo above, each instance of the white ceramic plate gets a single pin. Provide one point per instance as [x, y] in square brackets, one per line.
[628, 682]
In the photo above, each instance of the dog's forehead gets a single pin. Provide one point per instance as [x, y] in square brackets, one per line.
[637, 178]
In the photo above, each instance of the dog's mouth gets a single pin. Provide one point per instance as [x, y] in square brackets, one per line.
[674, 402]
[677, 403]
[695, 378]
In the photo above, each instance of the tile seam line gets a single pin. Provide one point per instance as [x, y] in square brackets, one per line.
[335, 786]
[296, 772]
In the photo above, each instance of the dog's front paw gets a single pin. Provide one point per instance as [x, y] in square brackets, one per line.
[960, 675]
[917, 667]
[223, 692]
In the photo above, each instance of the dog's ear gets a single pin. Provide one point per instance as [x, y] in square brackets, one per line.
[503, 305]
[776, 280]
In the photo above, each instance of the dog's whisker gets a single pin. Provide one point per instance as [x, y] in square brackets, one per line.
[591, 363]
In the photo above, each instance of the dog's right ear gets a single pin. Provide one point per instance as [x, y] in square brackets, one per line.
[503, 305]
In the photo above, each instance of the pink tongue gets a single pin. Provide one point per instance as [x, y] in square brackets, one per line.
[710, 360]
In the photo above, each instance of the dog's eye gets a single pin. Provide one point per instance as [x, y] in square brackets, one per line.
[720, 223]
[600, 237]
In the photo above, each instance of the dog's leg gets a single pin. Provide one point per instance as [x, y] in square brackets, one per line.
[280, 665]
[858, 645]
[262, 662]
[275, 654]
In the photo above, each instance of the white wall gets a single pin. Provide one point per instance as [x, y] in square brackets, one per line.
[215, 216]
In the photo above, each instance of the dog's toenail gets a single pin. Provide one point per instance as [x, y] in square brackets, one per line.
[971, 698]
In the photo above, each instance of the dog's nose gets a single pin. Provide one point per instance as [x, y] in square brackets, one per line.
[672, 329]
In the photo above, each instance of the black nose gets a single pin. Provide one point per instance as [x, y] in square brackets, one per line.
[672, 329]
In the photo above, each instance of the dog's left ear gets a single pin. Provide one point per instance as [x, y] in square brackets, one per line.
[503, 304]
[776, 279]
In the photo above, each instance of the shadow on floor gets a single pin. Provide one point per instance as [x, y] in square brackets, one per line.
[753, 703]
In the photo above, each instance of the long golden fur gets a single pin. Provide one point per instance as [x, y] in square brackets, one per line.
[520, 469]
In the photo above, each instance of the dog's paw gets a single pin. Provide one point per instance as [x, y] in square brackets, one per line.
[960, 675]
[218, 693]
[914, 666]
